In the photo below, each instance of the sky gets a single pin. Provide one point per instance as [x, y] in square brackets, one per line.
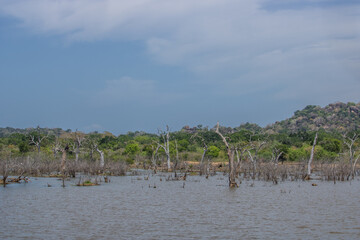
[119, 65]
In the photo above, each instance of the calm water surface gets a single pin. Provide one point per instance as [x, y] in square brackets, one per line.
[129, 208]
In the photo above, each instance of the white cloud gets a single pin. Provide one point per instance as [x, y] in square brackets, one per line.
[296, 48]
[97, 19]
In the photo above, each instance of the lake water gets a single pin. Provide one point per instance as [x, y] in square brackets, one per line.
[127, 208]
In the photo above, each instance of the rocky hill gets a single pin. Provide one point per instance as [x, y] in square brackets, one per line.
[340, 117]
[337, 117]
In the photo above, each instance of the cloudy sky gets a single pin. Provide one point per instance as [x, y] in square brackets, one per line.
[121, 65]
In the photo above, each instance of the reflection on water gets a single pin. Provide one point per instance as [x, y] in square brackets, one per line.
[128, 208]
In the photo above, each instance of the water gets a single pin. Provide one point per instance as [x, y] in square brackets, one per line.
[128, 208]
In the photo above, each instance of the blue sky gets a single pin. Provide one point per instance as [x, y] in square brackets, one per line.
[122, 66]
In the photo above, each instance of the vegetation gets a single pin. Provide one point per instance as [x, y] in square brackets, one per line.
[44, 151]
[338, 117]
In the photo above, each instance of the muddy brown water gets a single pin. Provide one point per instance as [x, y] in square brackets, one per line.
[129, 208]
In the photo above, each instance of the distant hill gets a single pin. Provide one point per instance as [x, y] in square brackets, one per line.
[340, 117]
[337, 117]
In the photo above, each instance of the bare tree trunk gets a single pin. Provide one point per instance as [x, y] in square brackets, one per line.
[56, 147]
[177, 152]
[63, 163]
[205, 149]
[77, 151]
[79, 138]
[232, 170]
[168, 148]
[4, 172]
[254, 158]
[312, 155]
[63, 160]
[276, 154]
[254, 163]
[177, 157]
[4, 180]
[230, 154]
[208, 167]
[238, 162]
[354, 165]
[350, 141]
[168, 161]
[102, 160]
[239, 157]
[202, 159]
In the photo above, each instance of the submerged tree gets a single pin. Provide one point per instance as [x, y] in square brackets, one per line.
[350, 142]
[102, 158]
[205, 149]
[78, 139]
[240, 150]
[311, 155]
[165, 136]
[230, 153]
[276, 153]
[64, 151]
[254, 157]
[4, 170]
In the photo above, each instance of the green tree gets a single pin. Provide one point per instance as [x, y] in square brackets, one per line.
[297, 154]
[331, 145]
[213, 152]
[24, 147]
[183, 145]
[132, 148]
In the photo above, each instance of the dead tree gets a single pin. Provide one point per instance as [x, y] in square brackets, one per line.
[230, 154]
[166, 145]
[254, 157]
[36, 139]
[205, 149]
[63, 158]
[240, 150]
[56, 147]
[91, 145]
[153, 158]
[312, 155]
[102, 159]
[79, 139]
[354, 165]
[276, 154]
[349, 142]
[177, 157]
[63, 163]
[4, 171]
[156, 153]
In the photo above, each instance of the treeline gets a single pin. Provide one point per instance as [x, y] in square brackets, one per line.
[188, 144]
